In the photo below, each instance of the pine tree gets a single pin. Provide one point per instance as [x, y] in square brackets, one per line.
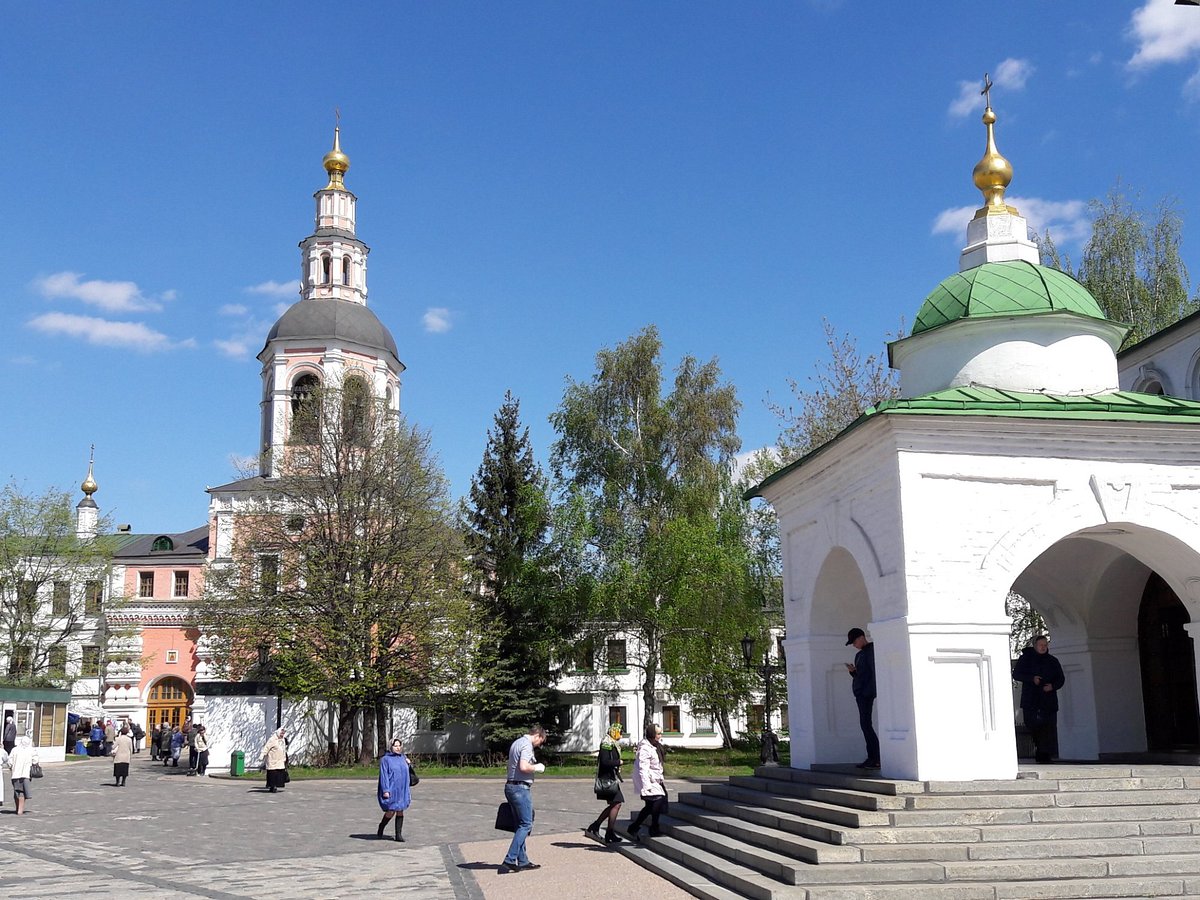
[506, 524]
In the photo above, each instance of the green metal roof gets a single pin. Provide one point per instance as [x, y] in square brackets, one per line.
[1004, 289]
[1117, 406]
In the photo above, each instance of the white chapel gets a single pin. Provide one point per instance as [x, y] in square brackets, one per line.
[1012, 461]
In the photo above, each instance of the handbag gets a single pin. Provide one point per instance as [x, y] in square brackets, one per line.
[505, 819]
[35, 770]
[413, 778]
[605, 787]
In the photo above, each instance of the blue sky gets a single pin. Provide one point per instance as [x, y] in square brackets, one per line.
[536, 181]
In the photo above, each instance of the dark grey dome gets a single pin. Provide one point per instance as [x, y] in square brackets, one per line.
[334, 319]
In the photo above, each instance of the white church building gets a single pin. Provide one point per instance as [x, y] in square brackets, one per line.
[1016, 458]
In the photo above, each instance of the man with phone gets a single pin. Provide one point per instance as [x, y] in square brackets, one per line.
[862, 671]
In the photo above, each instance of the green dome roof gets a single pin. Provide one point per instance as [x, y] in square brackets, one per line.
[1004, 289]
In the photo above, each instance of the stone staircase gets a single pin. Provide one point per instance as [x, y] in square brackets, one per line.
[833, 834]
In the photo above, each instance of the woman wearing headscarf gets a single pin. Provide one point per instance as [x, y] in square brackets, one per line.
[20, 761]
[122, 756]
[394, 784]
[274, 756]
[608, 766]
[649, 781]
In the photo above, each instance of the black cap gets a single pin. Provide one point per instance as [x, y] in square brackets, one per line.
[853, 635]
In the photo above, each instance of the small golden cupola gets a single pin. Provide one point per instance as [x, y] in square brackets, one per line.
[993, 173]
[89, 485]
[336, 163]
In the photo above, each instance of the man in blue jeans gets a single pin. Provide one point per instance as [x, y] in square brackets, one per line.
[518, 791]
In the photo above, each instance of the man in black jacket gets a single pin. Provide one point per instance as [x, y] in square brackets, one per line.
[862, 671]
[1041, 679]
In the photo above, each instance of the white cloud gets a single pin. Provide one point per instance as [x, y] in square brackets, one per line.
[437, 319]
[233, 309]
[1067, 220]
[276, 288]
[743, 460]
[104, 333]
[1164, 33]
[110, 296]
[1010, 75]
[25, 360]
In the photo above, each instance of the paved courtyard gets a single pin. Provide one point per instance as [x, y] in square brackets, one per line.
[167, 835]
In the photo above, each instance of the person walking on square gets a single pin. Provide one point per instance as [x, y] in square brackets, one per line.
[518, 791]
[10, 734]
[20, 763]
[96, 739]
[274, 756]
[394, 783]
[201, 751]
[152, 741]
[862, 671]
[164, 743]
[110, 735]
[649, 781]
[608, 766]
[136, 731]
[1041, 678]
[122, 756]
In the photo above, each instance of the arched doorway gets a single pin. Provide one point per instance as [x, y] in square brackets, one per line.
[1168, 661]
[170, 700]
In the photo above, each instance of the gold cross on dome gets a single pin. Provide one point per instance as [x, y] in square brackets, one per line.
[987, 88]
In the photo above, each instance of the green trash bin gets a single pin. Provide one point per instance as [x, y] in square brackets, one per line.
[237, 763]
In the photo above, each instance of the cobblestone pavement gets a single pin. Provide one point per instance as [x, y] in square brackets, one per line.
[177, 836]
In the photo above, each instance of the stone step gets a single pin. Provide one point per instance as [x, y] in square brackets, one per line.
[681, 876]
[839, 796]
[1127, 798]
[792, 845]
[755, 810]
[1142, 783]
[759, 812]
[1020, 890]
[788, 870]
[979, 801]
[925, 818]
[799, 804]
[849, 778]
[1112, 813]
[717, 869]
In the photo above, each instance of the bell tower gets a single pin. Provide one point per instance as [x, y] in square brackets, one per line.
[333, 261]
[328, 338]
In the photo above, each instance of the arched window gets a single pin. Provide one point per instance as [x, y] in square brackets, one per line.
[325, 263]
[346, 270]
[305, 418]
[163, 543]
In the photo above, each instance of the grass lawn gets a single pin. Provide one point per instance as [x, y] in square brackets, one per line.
[681, 763]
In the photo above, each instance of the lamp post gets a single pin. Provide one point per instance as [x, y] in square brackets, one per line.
[266, 671]
[768, 753]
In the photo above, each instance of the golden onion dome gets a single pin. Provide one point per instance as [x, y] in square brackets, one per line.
[336, 163]
[993, 173]
[89, 485]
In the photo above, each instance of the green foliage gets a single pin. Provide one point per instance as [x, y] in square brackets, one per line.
[1131, 263]
[39, 550]
[1027, 623]
[348, 568]
[843, 387]
[643, 476]
[505, 526]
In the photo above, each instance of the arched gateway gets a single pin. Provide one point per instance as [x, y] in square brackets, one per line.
[1011, 461]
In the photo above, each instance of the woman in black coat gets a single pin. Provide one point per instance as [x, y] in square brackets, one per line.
[608, 766]
[1041, 679]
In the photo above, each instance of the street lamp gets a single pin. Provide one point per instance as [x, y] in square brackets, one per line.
[266, 672]
[768, 753]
